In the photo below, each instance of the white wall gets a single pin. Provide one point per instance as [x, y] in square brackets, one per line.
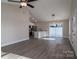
[73, 39]
[14, 24]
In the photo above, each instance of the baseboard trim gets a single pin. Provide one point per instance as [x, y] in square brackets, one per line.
[13, 42]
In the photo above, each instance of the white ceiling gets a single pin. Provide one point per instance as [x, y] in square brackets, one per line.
[45, 8]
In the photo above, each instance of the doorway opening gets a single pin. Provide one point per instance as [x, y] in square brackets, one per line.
[32, 29]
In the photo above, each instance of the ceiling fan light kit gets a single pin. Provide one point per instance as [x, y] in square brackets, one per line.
[23, 4]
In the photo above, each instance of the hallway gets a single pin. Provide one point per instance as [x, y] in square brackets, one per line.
[59, 48]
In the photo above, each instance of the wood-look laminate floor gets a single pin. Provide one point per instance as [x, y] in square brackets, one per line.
[55, 48]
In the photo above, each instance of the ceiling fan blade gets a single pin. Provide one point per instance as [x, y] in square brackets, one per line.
[31, 0]
[30, 5]
[14, 1]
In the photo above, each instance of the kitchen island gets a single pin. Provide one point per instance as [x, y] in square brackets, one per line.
[40, 34]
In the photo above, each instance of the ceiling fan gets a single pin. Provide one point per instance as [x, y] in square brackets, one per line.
[23, 3]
